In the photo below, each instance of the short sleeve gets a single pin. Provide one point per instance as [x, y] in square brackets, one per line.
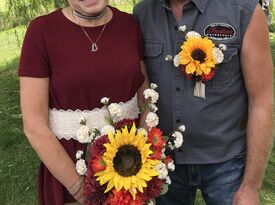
[34, 61]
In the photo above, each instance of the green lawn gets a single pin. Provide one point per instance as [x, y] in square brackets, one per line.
[18, 162]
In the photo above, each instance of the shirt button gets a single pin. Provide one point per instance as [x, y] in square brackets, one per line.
[178, 120]
[177, 89]
[176, 28]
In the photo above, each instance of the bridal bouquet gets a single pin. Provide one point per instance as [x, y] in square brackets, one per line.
[127, 165]
[198, 59]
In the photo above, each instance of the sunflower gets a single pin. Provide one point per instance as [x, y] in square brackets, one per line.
[128, 162]
[197, 56]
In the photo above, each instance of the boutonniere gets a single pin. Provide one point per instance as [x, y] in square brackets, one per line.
[198, 59]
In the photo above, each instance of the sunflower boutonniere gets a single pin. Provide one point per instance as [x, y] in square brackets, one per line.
[198, 59]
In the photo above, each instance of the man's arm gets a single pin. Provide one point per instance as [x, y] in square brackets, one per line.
[257, 70]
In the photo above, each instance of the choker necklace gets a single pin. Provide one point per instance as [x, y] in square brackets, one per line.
[99, 15]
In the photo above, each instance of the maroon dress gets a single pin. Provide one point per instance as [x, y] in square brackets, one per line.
[56, 48]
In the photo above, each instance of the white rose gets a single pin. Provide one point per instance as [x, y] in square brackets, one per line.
[81, 167]
[142, 130]
[152, 120]
[161, 169]
[182, 128]
[192, 34]
[171, 166]
[115, 111]
[83, 134]
[153, 107]
[108, 128]
[177, 60]
[168, 180]
[182, 28]
[79, 154]
[150, 93]
[178, 139]
[105, 101]
[222, 47]
[153, 86]
[218, 55]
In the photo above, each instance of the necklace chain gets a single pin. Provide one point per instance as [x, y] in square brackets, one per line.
[94, 43]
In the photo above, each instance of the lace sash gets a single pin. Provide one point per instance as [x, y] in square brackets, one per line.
[64, 124]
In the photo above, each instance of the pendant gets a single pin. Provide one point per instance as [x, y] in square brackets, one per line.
[199, 90]
[94, 47]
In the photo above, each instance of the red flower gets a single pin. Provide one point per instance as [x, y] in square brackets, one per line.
[155, 137]
[123, 197]
[183, 71]
[167, 160]
[157, 152]
[98, 164]
[153, 189]
[97, 148]
[94, 192]
[209, 76]
[125, 122]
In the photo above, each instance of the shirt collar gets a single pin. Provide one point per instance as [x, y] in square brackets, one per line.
[200, 4]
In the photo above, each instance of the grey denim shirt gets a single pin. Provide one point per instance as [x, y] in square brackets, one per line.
[216, 126]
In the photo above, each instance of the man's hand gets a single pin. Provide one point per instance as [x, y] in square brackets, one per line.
[245, 196]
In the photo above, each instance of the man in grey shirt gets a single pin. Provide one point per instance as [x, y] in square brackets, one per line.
[228, 134]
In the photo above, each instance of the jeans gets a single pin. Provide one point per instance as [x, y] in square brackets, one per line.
[217, 182]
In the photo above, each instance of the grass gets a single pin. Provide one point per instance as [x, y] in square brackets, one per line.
[18, 162]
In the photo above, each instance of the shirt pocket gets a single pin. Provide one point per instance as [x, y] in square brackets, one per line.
[225, 71]
[153, 56]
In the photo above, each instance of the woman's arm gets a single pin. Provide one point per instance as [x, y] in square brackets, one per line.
[34, 99]
[141, 99]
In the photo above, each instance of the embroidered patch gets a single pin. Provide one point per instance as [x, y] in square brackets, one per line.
[219, 31]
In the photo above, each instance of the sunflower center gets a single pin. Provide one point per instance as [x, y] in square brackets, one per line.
[127, 161]
[198, 55]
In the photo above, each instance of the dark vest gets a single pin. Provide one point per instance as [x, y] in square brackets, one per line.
[216, 126]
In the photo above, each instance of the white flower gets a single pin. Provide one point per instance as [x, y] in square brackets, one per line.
[161, 169]
[142, 130]
[178, 139]
[153, 107]
[177, 61]
[168, 180]
[182, 128]
[153, 86]
[171, 166]
[82, 121]
[115, 110]
[83, 134]
[151, 202]
[169, 58]
[81, 167]
[218, 55]
[222, 47]
[152, 120]
[169, 145]
[108, 128]
[150, 93]
[105, 101]
[79, 154]
[182, 28]
[192, 34]
[163, 155]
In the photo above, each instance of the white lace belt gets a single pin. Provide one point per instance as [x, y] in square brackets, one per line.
[64, 124]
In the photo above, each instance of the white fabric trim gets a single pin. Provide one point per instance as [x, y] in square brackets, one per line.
[64, 124]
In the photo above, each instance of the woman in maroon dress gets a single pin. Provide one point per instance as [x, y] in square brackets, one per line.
[70, 59]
